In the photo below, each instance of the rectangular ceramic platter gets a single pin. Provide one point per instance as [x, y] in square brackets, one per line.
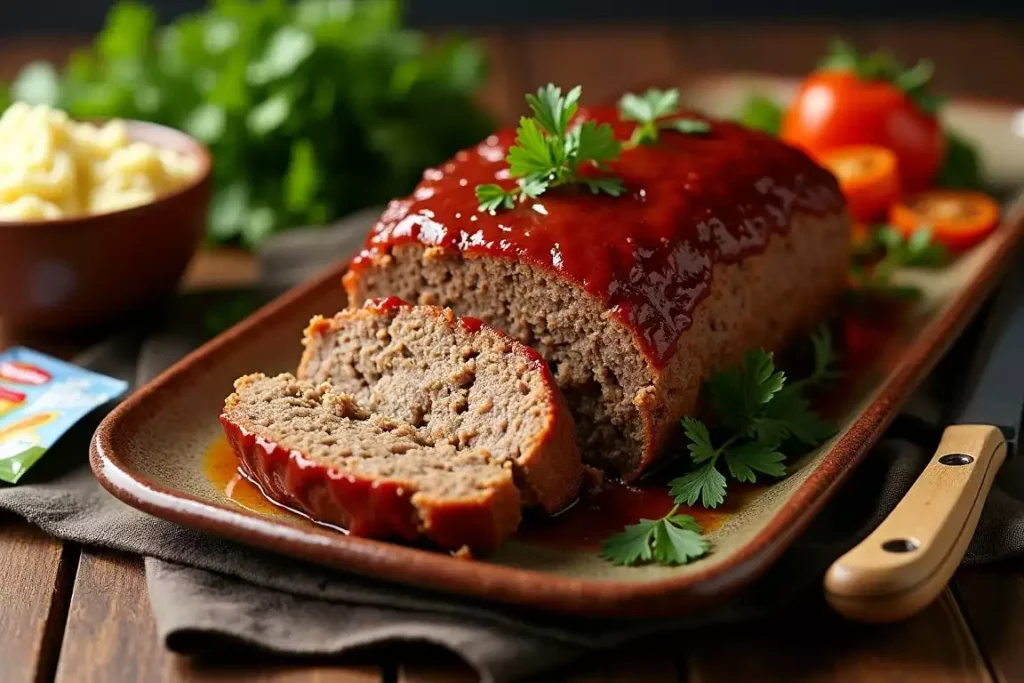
[149, 452]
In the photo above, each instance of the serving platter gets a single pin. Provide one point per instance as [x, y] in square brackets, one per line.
[153, 451]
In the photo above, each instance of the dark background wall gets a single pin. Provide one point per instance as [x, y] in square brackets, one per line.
[19, 17]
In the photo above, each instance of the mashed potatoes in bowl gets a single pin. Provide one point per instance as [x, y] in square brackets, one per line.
[97, 219]
[53, 167]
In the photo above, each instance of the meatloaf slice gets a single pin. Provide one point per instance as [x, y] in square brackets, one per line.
[454, 381]
[722, 241]
[318, 451]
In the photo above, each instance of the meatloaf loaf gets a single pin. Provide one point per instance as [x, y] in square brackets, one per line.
[473, 429]
[722, 242]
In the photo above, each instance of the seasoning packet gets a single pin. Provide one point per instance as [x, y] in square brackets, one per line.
[40, 399]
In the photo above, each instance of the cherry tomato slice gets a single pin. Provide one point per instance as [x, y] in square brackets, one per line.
[958, 219]
[868, 176]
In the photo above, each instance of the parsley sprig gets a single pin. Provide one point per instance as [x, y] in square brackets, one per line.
[758, 415]
[548, 152]
[753, 404]
[653, 112]
[876, 278]
[672, 539]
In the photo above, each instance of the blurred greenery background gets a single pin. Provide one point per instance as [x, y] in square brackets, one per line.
[312, 109]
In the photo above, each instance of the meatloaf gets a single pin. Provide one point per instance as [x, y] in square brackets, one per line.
[455, 380]
[472, 429]
[722, 242]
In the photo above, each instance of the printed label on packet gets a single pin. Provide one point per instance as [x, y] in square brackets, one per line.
[40, 399]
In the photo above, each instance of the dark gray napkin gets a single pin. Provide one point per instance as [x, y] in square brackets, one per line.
[207, 592]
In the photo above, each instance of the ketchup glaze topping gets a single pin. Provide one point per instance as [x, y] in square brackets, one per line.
[691, 200]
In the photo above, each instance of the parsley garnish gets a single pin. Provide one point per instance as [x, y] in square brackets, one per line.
[919, 250]
[760, 112]
[673, 539]
[761, 414]
[549, 153]
[961, 167]
[651, 111]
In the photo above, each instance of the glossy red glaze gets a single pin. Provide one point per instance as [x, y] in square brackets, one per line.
[364, 506]
[690, 201]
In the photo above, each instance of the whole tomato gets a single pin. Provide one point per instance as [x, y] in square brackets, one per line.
[838, 108]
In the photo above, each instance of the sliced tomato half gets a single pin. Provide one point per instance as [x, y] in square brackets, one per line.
[957, 219]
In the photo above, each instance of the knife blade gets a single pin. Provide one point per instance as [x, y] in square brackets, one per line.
[995, 391]
[906, 562]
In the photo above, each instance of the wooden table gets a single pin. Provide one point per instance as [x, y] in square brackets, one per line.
[80, 614]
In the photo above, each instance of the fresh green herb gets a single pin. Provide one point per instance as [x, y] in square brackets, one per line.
[671, 540]
[653, 112]
[825, 360]
[920, 250]
[312, 109]
[961, 166]
[688, 126]
[882, 65]
[876, 278]
[548, 152]
[493, 197]
[760, 112]
[759, 415]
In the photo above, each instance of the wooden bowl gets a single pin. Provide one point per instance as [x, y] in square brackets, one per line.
[81, 271]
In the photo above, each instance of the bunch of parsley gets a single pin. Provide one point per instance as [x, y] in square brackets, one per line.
[312, 109]
[758, 418]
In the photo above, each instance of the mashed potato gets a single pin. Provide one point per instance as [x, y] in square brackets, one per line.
[53, 167]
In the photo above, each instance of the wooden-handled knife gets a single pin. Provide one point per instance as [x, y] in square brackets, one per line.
[907, 561]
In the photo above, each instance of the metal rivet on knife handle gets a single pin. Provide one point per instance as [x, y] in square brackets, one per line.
[955, 459]
[900, 545]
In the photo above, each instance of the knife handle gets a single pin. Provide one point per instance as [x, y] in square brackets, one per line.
[907, 561]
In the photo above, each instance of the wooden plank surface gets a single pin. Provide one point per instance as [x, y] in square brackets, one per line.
[653, 662]
[993, 604]
[816, 645]
[35, 580]
[435, 668]
[110, 636]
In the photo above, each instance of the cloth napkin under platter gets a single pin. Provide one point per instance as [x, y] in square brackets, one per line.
[207, 592]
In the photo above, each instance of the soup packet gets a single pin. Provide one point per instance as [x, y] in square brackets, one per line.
[40, 399]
